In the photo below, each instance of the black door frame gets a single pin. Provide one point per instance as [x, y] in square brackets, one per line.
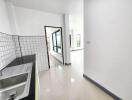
[47, 44]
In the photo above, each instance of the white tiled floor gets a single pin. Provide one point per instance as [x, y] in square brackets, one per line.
[77, 60]
[53, 62]
[67, 83]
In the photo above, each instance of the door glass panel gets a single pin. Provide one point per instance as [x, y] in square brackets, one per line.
[57, 43]
[78, 40]
[58, 39]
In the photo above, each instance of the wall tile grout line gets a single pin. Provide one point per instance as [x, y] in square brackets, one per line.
[10, 49]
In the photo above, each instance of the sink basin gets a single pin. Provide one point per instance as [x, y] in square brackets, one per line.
[8, 82]
[15, 82]
[12, 87]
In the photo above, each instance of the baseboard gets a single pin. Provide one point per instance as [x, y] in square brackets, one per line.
[102, 88]
[76, 50]
[67, 63]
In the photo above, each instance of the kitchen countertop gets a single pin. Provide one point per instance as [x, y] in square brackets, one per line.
[25, 60]
[22, 60]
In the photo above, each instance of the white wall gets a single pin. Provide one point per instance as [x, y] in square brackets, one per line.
[67, 56]
[4, 21]
[108, 44]
[76, 22]
[32, 22]
[12, 17]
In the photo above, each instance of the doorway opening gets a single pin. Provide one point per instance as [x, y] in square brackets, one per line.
[54, 45]
[76, 47]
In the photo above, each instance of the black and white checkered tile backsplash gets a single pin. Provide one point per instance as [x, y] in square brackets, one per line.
[7, 50]
[17, 46]
[34, 45]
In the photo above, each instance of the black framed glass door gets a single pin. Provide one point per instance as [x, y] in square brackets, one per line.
[56, 41]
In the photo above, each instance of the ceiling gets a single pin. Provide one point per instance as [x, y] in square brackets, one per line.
[54, 6]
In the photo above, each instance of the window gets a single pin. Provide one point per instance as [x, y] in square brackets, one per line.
[78, 40]
[56, 39]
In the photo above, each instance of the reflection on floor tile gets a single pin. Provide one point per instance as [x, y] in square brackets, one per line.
[66, 83]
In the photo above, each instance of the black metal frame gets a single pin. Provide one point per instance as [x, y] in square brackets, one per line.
[47, 43]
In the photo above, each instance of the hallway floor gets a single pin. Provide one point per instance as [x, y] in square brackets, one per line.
[66, 83]
[53, 61]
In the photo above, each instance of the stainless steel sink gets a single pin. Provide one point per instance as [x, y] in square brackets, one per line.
[15, 82]
[12, 87]
[5, 83]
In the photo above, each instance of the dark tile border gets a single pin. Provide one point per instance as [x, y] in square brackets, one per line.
[102, 88]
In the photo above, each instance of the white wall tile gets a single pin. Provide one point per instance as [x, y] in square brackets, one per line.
[7, 50]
